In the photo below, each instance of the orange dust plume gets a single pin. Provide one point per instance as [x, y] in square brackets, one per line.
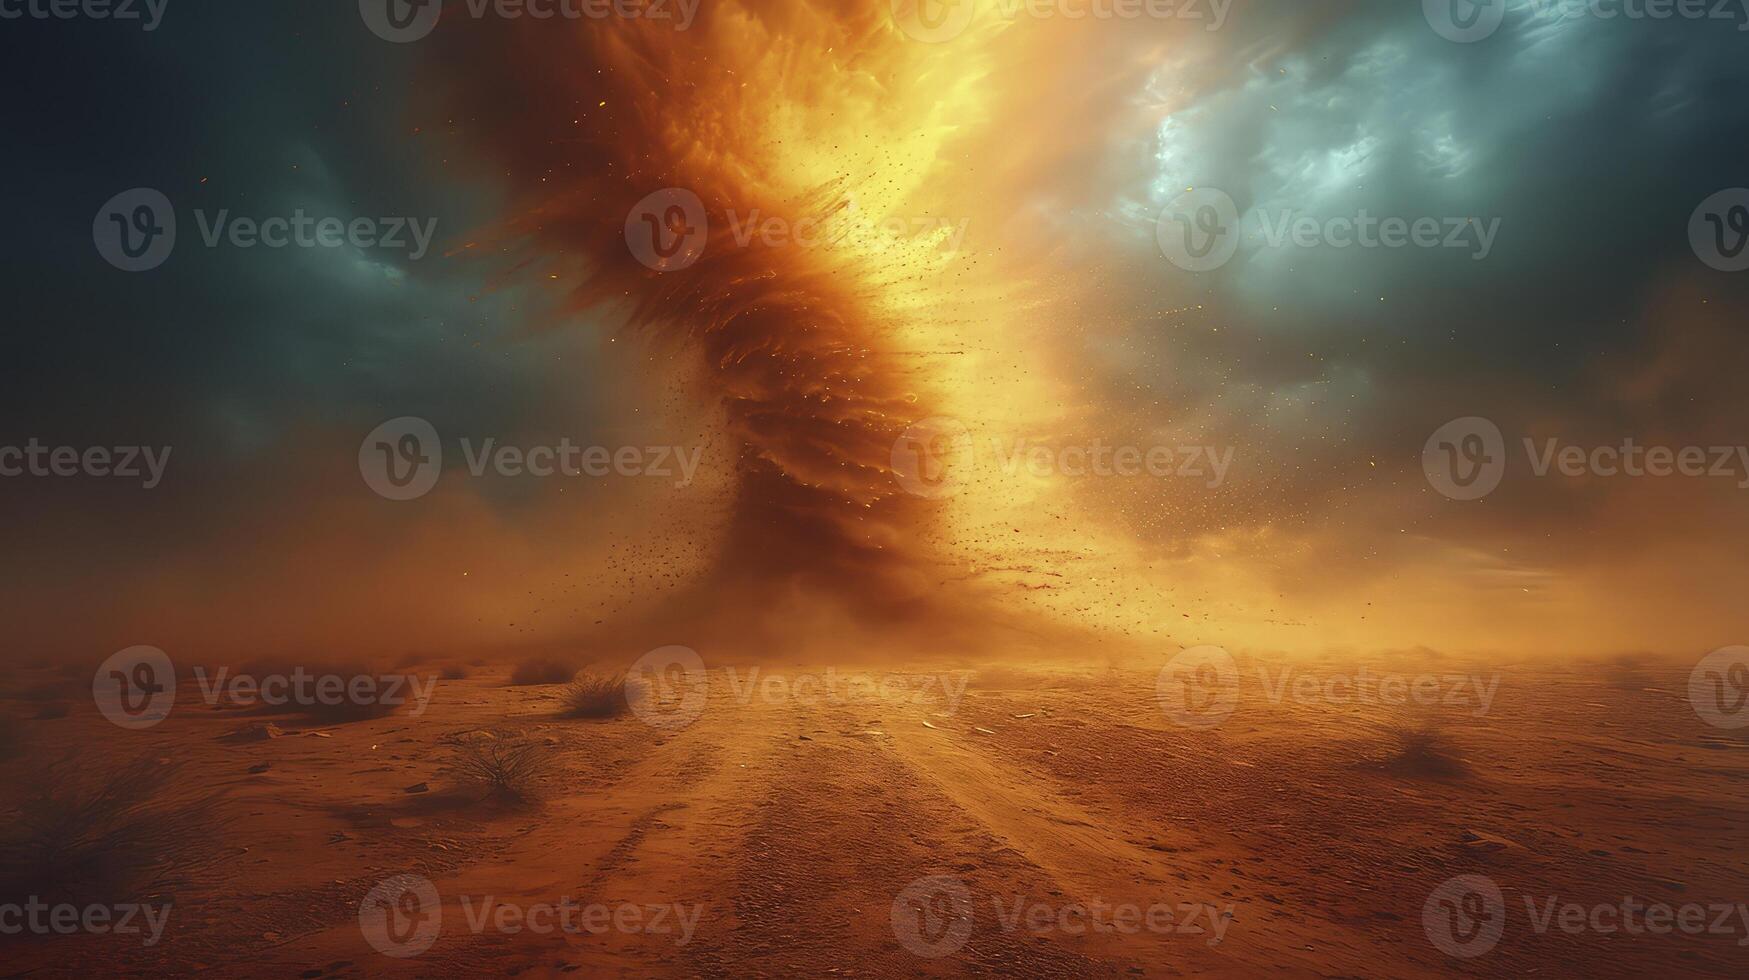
[817, 123]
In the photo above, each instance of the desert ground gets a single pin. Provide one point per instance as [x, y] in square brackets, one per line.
[873, 821]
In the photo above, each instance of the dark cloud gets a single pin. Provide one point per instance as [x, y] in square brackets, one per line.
[1590, 141]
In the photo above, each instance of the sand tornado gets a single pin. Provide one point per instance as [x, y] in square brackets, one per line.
[810, 134]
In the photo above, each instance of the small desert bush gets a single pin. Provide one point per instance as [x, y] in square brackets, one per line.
[455, 672]
[531, 672]
[110, 835]
[347, 710]
[326, 707]
[11, 736]
[40, 692]
[1423, 752]
[503, 770]
[594, 695]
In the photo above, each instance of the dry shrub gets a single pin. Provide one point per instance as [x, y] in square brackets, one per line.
[594, 695]
[41, 691]
[106, 836]
[346, 710]
[511, 770]
[1423, 753]
[11, 736]
[531, 672]
[343, 708]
